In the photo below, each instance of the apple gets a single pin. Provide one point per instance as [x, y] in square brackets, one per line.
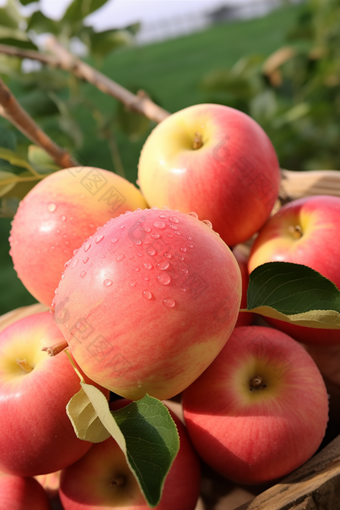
[304, 231]
[18, 493]
[102, 479]
[244, 318]
[216, 161]
[148, 302]
[36, 435]
[260, 410]
[50, 482]
[57, 215]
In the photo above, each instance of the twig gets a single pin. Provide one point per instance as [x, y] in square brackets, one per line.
[61, 58]
[13, 112]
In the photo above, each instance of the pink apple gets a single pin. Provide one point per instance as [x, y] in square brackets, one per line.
[102, 480]
[216, 161]
[260, 410]
[17, 493]
[50, 482]
[36, 435]
[148, 302]
[57, 215]
[305, 231]
[244, 318]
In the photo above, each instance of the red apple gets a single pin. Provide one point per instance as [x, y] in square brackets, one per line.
[50, 482]
[57, 215]
[17, 493]
[36, 435]
[214, 160]
[244, 318]
[148, 302]
[260, 410]
[102, 480]
[305, 231]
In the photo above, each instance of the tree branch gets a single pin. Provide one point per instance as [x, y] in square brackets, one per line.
[11, 110]
[61, 58]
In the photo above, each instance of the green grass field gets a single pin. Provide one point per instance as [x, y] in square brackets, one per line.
[171, 71]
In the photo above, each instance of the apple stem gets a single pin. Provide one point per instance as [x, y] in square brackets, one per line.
[198, 142]
[56, 348]
[296, 231]
[25, 367]
[256, 383]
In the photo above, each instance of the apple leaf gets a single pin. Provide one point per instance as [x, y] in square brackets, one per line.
[294, 293]
[144, 430]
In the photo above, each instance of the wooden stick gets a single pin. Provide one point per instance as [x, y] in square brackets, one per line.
[11, 110]
[314, 486]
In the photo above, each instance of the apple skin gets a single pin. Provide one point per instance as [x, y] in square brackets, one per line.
[17, 493]
[88, 484]
[244, 318]
[257, 435]
[232, 179]
[36, 435]
[153, 309]
[318, 217]
[57, 215]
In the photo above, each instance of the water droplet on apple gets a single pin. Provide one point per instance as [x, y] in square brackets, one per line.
[136, 268]
[98, 239]
[86, 259]
[155, 235]
[190, 246]
[167, 255]
[107, 283]
[151, 252]
[51, 207]
[75, 262]
[163, 265]
[174, 219]
[169, 302]
[114, 240]
[183, 249]
[208, 223]
[159, 224]
[164, 279]
[147, 294]
[119, 257]
[147, 230]
[133, 284]
[82, 274]
[193, 214]
[87, 246]
[63, 218]
[163, 216]
[148, 265]
[174, 227]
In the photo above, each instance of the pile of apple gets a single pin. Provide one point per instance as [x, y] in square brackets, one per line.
[144, 290]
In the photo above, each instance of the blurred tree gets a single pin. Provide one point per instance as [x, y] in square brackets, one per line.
[295, 93]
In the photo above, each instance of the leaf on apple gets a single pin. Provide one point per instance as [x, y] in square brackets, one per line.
[144, 430]
[294, 293]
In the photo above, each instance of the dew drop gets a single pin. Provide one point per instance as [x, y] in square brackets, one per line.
[146, 278]
[75, 251]
[159, 224]
[86, 259]
[133, 284]
[169, 302]
[147, 294]
[114, 240]
[87, 246]
[163, 265]
[183, 289]
[163, 216]
[148, 265]
[82, 274]
[139, 254]
[189, 238]
[183, 249]
[75, 262]
[136, 268]
[98, 239]
[190, 246]
[63, 218]
[174, 219]
[151, 252]
[107, 283]
[51, 207]
[119, 257]
[167, 255]
[154, 208]
[122, 226]
[164, 279]
[181, 258]
[169, 235]
[174, 227]
[91, 225]
[138, 242]
[208, 223]
[147, 230]
[184, 271]
[155, 236]
[193, 214]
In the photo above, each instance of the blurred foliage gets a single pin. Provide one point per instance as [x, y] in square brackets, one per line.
[54, 97]
[295, 93]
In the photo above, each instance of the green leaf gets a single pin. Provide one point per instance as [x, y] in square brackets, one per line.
[144, 430]
[5, 188]
[294, 293]
[20, 42]
[42, 25]
[104, 42]
[79, 9]
[10, 16]
[14, 159]
[38, 103]
[26, 2]
[41, 161]
[7, 139]
[8, 207]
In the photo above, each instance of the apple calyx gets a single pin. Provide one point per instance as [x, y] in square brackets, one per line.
[117, 482]
[56, 348]
[296, 231]
[198, 142]
[25, 367]
[256, 383]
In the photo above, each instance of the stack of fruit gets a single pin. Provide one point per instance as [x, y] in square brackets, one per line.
[144, 297]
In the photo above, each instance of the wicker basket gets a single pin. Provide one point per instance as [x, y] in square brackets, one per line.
[316, 484]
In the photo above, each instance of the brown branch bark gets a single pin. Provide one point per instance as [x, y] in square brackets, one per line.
[11, 110]
[61, 58]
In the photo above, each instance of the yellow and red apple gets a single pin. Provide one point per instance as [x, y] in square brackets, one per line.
[216, 161]
[57, 215]
[148, 302]
[260, 410]
[36, 435]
